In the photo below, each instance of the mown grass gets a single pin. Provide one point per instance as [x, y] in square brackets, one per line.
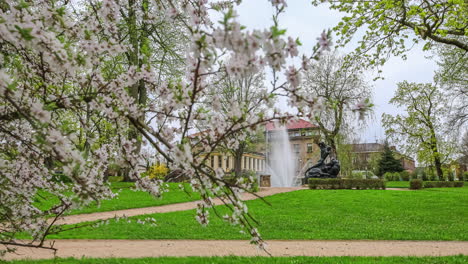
[316, 214]
[127, 198]
[261, 260]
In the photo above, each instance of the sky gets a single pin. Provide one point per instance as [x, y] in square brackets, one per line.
[306, 21]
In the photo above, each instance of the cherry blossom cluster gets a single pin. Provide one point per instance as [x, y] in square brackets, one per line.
[67, 70]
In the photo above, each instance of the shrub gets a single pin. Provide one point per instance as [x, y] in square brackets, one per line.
[357, 175]
[157, 171]
[416, 184]
[249, 178]
[443, 184]
[388, 176]
[405, 175]
[359, 184]
[414, 175]
[396, 176]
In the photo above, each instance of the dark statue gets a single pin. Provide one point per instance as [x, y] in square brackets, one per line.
[322, 169]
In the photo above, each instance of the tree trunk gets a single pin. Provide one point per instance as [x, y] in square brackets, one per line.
[436, 154]
[138, 90]
[238, 153]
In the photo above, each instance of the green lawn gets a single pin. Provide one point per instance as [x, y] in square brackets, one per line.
[397, 184]
[263, 260]
[127, 198]
[317, 214]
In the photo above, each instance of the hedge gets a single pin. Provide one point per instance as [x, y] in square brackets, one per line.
[359, 184]
[442, 184]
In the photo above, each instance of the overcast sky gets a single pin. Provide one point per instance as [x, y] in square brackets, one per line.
[307, 22]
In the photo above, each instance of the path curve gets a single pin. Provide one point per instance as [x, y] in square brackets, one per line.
[74, 219]
[183, 248]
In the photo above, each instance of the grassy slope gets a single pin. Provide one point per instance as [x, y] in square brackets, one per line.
[318, 214]
[264, 260]
[128, 198]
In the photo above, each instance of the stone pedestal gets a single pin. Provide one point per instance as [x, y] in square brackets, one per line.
[265, 181]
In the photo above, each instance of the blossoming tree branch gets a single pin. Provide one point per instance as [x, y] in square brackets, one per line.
[87, 83]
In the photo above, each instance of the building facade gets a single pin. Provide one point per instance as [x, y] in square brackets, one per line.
[303, 137]
[366, 154]
[250, 162]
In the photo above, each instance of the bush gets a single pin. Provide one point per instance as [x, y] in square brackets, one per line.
[405, 175]
[443, 184]
[157, 171]
[416, 184]
[359, 184]
[414, 175]
[388, 176]
[396, 176]
[248, 178]
[356, 175]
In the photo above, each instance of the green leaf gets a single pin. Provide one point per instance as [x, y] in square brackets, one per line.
[25, 32]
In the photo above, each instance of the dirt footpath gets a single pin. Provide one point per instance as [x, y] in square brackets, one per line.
[182, 248]
[74, 219]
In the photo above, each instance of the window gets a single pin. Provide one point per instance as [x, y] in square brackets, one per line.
[212, 162]
[220, 161]
[245, 163]
[309, 147]
[296, 134]
[309, 133]
[253, 165]
[296, 148]
[303, 133]
[227, 163]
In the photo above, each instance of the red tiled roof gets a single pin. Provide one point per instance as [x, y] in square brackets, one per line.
[292, 124]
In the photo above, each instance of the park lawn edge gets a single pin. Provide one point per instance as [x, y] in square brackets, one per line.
[456, 259]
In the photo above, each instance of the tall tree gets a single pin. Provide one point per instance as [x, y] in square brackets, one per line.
[248, 91]
[420, 130]
[391, 24]
[387, 162]
[339, 85]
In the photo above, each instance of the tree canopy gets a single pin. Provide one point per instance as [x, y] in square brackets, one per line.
[391, 27]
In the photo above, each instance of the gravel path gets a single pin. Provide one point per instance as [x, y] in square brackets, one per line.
[74, 219]
[182, 248]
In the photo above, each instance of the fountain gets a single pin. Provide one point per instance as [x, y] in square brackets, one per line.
[281, 162]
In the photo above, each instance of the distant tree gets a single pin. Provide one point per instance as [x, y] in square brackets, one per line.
[247, 92]
[387, 162]
[340, 86]
[422, 128]
[345, 152]
[373, 162]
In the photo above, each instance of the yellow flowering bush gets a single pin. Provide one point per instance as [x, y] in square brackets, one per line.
[157, 171]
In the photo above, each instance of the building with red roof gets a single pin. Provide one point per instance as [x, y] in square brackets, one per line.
[303, 137]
